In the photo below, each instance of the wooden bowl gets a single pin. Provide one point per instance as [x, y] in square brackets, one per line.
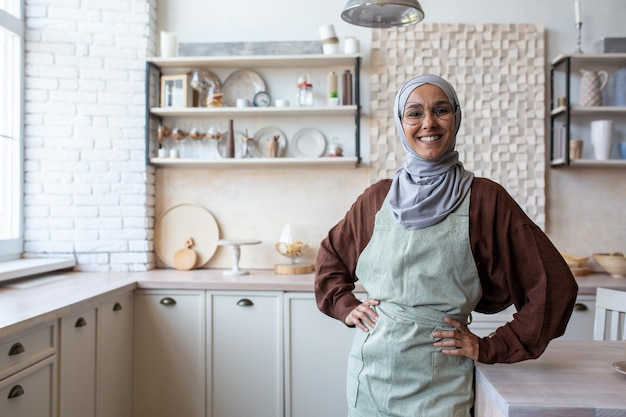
[614, 264]
[574, 261]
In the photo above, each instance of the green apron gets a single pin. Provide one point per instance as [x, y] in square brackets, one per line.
[420, 277]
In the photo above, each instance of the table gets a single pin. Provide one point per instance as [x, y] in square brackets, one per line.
[571, 379]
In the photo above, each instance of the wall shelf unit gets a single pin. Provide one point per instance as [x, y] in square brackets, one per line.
[317, 115]
[564, 117]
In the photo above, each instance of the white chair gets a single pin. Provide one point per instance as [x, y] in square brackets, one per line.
[610, 318]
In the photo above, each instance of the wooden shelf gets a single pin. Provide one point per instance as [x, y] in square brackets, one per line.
[266, 61]
[252, 111]
[591, 163]
[339, 162]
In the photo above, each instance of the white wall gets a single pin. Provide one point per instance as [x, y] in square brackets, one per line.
[583, 206]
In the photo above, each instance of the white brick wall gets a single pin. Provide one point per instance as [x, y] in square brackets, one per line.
[88, 191]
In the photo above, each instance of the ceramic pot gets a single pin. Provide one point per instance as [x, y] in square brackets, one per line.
[591, 85]
[619, 84]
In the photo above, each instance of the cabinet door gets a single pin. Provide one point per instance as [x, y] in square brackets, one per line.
[246, 355]
[580, 326]
[30, 393]
[316, 359]
[78, 365]
[115, 358]
[169, 353]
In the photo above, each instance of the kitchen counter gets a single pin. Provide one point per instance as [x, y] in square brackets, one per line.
[571, 378]
[29, 302]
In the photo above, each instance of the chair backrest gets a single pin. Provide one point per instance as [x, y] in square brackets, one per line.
[610, 318]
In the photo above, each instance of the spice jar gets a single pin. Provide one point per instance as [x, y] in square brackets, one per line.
[305, 94]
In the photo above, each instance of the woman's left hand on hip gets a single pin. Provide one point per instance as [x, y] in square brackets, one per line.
[459, 342]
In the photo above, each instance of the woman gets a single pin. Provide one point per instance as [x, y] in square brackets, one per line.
[429, 247]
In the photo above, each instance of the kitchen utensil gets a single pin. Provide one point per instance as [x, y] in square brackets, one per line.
[574, 261]
[614, 264]
[602, 138]
[309, 143]
[205, 83]
[293, 244]
[180, 222]
[185, 259]
[591, 85]
[236, 244]
[266, 135]
[241, 84]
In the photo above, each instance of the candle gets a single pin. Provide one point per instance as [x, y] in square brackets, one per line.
[577, 11]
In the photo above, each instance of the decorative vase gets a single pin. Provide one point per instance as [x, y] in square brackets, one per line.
[591, 85]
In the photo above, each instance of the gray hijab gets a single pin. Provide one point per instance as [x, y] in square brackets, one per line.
[424, 192]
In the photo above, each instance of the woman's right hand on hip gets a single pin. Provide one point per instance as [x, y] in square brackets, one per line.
[363, 315]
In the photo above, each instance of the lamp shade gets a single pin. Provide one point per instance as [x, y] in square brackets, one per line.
[382, 13]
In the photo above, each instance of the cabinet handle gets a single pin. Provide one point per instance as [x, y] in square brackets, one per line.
[244, 302]
[117, 307]
[81, 322]
[580, 307]
[16, 349]
[168, 301]
[16, 391]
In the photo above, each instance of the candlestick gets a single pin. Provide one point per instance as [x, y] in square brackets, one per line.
[577, 12]
[579, 27]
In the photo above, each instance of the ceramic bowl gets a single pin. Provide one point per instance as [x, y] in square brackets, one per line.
[574, 261]
[614, 264]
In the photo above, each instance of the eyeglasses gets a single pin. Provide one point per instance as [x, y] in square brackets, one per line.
[414, 114]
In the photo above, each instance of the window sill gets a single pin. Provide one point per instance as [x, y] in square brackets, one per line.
[20, 268]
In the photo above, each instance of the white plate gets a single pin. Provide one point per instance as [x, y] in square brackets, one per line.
[181, 222]
[241, 84]
[619, 366]
[309, 143]
[267, 134]
[240, 146]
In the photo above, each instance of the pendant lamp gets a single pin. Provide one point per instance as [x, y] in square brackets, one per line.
[382, 13]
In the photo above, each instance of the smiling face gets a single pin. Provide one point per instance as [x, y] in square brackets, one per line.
[432, 135]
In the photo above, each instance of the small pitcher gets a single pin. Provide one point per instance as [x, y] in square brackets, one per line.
[591, 85]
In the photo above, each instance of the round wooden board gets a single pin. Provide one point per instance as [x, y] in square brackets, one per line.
[181, 222]
[290, 269]
[185, 259]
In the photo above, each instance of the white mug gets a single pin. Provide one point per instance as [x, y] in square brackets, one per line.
[602, 138]
[169, 44]
[279, 102]
[242, 102]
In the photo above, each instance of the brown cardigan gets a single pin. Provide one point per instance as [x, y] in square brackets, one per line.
[516, 262]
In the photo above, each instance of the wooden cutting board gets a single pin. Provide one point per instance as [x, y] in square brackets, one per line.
[186, 258]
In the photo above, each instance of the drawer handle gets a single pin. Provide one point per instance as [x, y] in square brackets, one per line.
[117, 307]
[16, 349]
[81, 322]
[168, 301]
[16, 391]
[580, 307]
[244, 302]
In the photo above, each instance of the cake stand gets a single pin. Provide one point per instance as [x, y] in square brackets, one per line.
[236, 245]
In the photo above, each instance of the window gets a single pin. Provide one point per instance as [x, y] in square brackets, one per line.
[11, 129]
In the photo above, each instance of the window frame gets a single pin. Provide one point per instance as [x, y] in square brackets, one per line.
[12, 21]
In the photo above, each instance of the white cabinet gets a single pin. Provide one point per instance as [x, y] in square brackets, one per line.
[316, 359]
[569, 120]
[77, 365]
[580, 326]
[28, 373]
[245, 369]
[278, 74]
[169, 353]
[483, 325]
[115, 357]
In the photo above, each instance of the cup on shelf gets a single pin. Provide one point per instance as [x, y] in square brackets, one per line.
[169, 44]
[602, 138]
[279, 102]
[242, 102]
[575, 148]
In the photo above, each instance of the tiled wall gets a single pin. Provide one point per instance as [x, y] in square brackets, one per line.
[88, 192]
[498, 71]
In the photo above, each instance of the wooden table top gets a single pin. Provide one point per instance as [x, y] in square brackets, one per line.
[571, 378]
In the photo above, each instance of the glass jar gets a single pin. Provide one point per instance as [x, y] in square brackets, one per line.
[305, 95]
